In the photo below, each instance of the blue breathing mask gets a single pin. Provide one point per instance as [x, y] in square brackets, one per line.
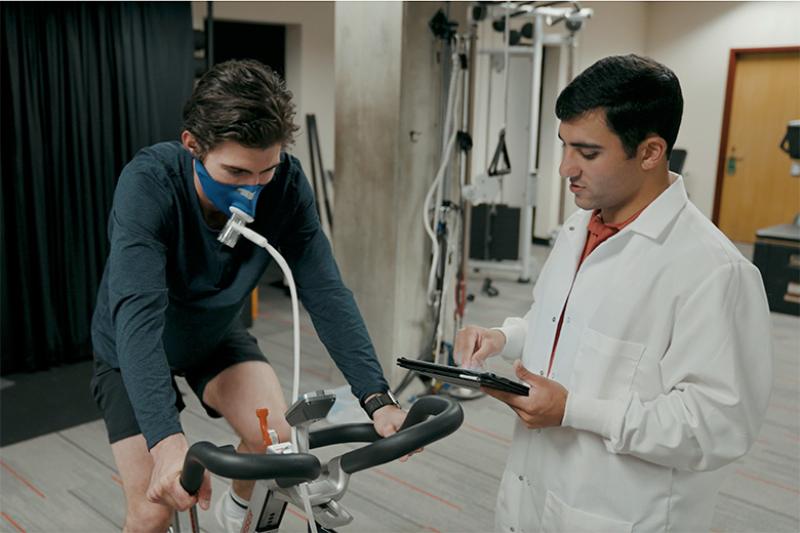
[225, 196]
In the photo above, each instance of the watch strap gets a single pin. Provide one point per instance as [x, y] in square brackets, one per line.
[377, 401]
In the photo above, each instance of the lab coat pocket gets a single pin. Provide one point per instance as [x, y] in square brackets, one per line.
[558, 517]
[605, 366]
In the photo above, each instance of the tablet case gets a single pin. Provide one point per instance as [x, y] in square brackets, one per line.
[463, 377]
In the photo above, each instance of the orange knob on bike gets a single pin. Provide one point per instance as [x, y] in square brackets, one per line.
[262, 415]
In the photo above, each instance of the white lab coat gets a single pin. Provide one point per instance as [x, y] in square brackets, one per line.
[666, 353]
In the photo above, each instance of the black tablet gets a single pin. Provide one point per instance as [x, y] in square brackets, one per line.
[463, 377]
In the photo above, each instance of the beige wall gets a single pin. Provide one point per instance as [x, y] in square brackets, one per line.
[309, 59]
[694, 39]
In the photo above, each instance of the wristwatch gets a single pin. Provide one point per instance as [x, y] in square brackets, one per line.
[380, 400]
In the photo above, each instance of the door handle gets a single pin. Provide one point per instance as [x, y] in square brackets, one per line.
[730, 165]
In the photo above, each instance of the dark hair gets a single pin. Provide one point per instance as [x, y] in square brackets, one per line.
[243, 101]
[639, 96]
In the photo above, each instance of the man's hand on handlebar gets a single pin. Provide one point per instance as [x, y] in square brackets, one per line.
[165, 487]
[388, 420]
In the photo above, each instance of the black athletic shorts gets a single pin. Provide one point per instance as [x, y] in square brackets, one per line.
[109, 391]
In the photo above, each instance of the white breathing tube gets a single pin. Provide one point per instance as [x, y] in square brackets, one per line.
[426, 221]
[261, 241]
[229, 236]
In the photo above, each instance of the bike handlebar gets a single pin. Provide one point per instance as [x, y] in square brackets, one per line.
[430, 418]
[225, 462]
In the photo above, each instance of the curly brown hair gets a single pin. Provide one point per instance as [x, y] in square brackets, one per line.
[243, 101]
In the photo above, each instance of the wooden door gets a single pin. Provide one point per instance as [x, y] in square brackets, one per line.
[754, 187]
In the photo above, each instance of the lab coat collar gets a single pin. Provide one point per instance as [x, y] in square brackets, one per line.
[650, 223]
[660, 213]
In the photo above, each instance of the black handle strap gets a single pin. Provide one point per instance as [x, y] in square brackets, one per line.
[496, 168]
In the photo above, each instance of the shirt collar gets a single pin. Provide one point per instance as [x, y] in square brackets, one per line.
[598, 227]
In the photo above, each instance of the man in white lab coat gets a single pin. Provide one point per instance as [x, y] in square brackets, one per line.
[647, 346]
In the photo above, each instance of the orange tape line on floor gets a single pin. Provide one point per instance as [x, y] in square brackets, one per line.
[487, 432]
[12, 522]
[754, 477]
[415, 488]
[15, 474]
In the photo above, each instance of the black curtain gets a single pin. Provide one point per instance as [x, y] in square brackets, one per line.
[84, 86]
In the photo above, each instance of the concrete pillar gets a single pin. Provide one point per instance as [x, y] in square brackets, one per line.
[388, 141]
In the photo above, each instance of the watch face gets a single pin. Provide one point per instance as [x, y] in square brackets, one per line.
[390, 394]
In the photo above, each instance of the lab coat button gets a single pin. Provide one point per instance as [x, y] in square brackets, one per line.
[521, 478]
[572, 228]
[554, 319]
[541, 372]
[569, 319]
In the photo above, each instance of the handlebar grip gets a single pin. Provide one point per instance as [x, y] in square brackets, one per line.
[344, 433]
[431, 418]
[225, 462]
[192, 473]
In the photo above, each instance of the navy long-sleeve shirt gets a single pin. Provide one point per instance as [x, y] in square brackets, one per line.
[170, 291]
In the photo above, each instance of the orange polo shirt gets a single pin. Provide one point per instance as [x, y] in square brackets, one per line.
[599, 231]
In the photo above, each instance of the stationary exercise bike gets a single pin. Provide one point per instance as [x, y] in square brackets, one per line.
[287, 475]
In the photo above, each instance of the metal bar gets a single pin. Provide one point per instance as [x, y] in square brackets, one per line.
[526, 220]
[544, 11]
[517, 50]
[505, 266]
[466, 208]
